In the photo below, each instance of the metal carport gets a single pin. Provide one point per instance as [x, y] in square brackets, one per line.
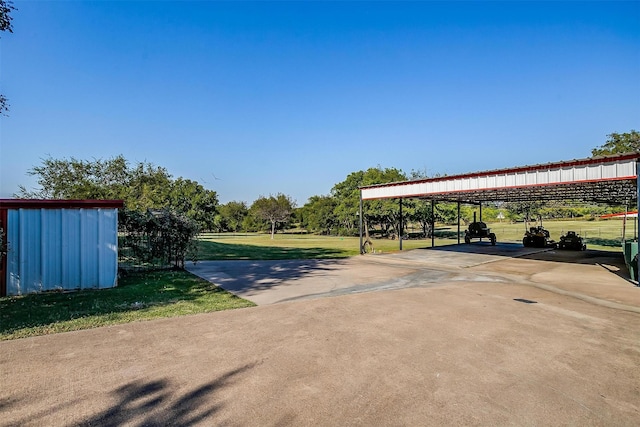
[607, 179]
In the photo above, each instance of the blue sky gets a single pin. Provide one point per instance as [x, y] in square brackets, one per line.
[254, 99]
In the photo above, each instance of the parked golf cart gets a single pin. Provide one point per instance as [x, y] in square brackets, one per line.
[538, 237]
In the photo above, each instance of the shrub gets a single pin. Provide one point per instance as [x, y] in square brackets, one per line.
[158, 236]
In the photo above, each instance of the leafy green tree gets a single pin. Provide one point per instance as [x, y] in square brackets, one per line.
[5, 18]
[4, 105]
[142, 187]
[347, 198]
[318, 214]
[423, 215]
[5, 25]
[193, 200]
[253, 224]
[347, 195]
[527, 211]
[147, 187]
[619, 143]
[387, 215]
[231, 216]
[79, 179]
[273, 210]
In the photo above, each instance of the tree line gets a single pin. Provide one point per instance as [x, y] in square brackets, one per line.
[150, 190]
[145, 187]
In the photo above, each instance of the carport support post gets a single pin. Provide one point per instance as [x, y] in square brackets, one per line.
[638, 210]
[480, 215]
[360, 221]
[400, 231]
[433, 223]
[458, 221]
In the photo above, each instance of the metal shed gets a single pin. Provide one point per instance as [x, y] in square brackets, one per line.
[59, 245]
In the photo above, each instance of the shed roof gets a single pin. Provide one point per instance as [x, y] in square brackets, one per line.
[58, 204]
[607, 179]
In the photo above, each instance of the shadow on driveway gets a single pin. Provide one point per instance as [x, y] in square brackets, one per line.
[152, 403]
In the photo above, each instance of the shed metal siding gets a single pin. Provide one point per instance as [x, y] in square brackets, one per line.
[61, 249]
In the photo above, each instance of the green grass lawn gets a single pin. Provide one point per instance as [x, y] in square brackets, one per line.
[139, 296]
[602, 235]
[230, 246]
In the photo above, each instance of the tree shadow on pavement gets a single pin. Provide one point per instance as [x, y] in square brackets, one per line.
[153, 403]
[613, 261]
[247, 277]
[610, 261]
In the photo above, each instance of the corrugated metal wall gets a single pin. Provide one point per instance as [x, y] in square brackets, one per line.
[61, 249]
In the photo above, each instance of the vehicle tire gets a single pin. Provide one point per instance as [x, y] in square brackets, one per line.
[493, 239]
[525, 242]
[467, 239]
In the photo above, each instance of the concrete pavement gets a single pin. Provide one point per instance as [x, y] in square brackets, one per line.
[270, 282]
[446, 342]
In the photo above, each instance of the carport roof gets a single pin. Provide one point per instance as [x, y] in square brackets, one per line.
[606, 179]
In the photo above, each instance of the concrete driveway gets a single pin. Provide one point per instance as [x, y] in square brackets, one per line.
[468, 336]
[270, 282]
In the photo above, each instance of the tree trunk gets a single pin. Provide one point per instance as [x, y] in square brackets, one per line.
[273, 229]
[366, 228]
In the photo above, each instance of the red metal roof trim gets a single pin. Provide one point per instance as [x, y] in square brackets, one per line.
[59, 204]
[620, 215]
[530, 168]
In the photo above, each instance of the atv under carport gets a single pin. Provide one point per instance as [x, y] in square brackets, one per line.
[479, 230]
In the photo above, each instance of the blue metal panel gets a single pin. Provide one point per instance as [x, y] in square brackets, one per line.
[88, 253]
[61, 249]
[51, 254]
[30, 259]
[108, 257]
[71, 247]
[13, 258]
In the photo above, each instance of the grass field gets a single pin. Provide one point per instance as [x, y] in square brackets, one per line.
[603, 235]
[227, 246]
[139, 296]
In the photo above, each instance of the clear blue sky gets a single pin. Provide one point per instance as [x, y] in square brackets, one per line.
[253, 99]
